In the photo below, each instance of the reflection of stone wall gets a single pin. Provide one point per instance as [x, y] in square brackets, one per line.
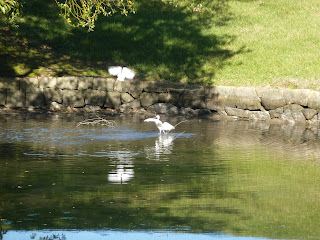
[95, 93]
[302, 143]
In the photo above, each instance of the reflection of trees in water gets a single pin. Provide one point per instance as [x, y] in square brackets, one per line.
[163, 146]
[124, 172]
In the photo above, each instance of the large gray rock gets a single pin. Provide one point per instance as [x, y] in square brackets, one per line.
[125, 108]
[296, 96]
[15, 99]
[90, 108]
[66, 83]
[218, 98]
[112, 100]
[203, 112]
[237, 112]
[160, 87]
[148, 99]
[309, 113]
[254, 115]
[224, 96]
[259, 115]
[122, 86]
[53, 95]
[313, 121]
[126, 98]
[136, 88]
[276, 113]
[48, 82]
[172, 96]
[135, 104]
[247, 98]
[35, 97]
[9, 83]
[271, 98]
[85, 83]
[293, 114]
[314, 100]
[73, 98]
[69, 83]
[193, 98]
[103, 84]
[29, 83]
[189, 112]
[164, 108]
[95, 97]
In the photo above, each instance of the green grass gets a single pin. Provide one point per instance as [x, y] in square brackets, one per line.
[280, 43]
[240, 43]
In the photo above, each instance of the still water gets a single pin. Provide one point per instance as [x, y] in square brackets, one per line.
[204, 180]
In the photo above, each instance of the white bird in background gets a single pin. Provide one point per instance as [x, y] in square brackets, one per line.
[121, 72]
[163, 127]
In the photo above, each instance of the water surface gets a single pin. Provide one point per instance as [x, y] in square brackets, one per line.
[212, 180]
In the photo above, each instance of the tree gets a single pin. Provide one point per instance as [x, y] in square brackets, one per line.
[10, 9]
[84, 13]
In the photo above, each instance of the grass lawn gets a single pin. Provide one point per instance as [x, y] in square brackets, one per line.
[235, 42]
[281, 42]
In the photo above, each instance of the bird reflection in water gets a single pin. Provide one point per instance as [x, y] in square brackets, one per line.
[162, 147]
[123, 172]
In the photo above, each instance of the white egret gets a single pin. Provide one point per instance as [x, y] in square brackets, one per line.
[121, 72]
[163, 127]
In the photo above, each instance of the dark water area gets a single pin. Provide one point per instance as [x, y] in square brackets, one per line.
[204, 180]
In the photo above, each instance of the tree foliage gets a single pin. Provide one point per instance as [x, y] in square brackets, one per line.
[10, 9]
[84, 13]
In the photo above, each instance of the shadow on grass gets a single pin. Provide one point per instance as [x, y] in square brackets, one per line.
[161, 42]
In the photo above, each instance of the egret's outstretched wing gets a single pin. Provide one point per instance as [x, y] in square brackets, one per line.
[150, 120]
[128, 73]
[114, 70]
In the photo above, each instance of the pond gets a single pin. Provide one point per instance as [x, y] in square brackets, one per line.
[204, 180]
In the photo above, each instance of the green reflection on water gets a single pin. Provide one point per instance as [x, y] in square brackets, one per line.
[235, 178]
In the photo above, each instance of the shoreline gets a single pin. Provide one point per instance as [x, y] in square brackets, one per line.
[107, 95]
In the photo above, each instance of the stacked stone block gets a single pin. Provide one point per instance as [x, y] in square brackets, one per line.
[292, 106]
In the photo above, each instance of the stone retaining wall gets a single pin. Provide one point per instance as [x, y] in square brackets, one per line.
[95, 93]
